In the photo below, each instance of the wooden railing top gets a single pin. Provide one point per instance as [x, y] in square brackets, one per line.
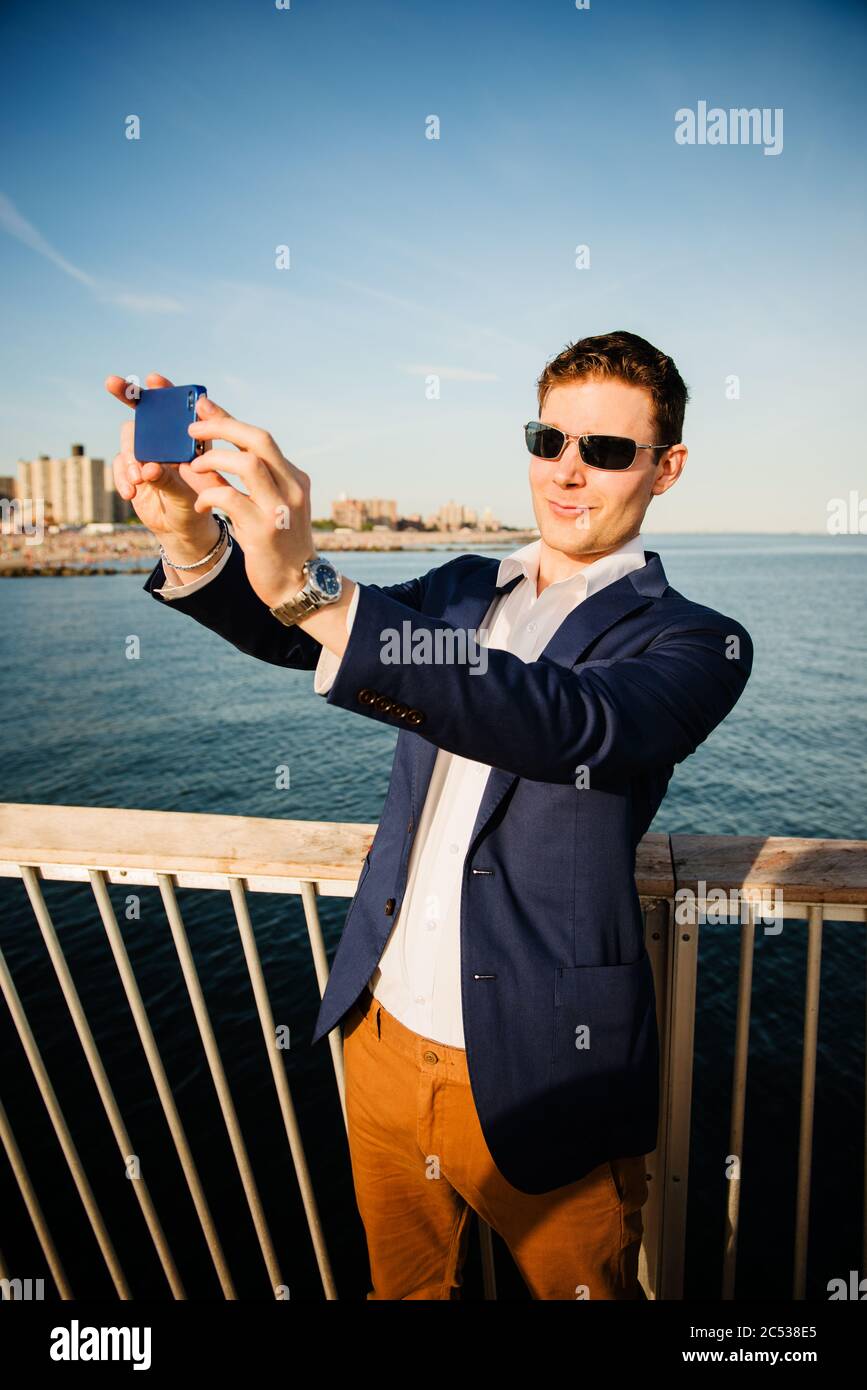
[821, 871]
[173, 841]
[818, 871]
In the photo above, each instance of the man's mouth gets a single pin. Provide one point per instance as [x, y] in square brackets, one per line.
[571, 509]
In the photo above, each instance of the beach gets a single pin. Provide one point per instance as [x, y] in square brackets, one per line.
[133, 550]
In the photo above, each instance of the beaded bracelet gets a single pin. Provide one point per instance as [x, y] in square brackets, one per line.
[224, 530]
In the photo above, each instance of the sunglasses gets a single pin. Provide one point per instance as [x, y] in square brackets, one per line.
[608, 451]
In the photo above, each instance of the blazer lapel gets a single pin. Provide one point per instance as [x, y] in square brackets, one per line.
[578, 630]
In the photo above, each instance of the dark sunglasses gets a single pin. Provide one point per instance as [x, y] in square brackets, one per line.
[608, 451]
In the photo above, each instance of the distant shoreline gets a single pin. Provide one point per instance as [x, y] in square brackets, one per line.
[73, 554]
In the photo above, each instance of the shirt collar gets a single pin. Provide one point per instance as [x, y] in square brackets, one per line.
[627, 557]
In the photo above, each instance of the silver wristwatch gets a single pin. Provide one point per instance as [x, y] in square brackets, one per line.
[323, 585]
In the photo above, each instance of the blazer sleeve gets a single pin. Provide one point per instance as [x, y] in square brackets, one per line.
[229, 606]
[541, 720]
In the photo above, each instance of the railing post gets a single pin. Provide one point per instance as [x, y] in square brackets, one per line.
[657, 914]
[739, 1093]
[808, 1097]
[680, 1039]
[320, 965]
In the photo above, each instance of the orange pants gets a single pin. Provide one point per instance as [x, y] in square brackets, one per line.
[421, 1166]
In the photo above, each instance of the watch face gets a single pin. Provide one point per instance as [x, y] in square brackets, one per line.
[324, 577]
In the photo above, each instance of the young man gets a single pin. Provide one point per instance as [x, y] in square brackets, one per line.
[497, 999]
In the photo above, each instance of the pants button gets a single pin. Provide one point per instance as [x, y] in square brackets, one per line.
[431, 1057]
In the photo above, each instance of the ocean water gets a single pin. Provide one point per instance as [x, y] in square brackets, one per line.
[193, 724]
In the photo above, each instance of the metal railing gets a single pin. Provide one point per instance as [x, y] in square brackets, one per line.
[678, 879]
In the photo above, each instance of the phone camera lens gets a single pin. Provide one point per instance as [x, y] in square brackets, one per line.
[190, 399]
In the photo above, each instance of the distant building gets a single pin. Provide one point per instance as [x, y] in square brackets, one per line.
[454, 516]
[450, 517]
[354, 512]
[381, 511]
[8, 488]
[347, 512]
[74, 490]
[42, 478]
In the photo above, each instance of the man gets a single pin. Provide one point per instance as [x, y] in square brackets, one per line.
[496, 995]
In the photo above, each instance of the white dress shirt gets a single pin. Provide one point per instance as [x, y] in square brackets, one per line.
[418, 978]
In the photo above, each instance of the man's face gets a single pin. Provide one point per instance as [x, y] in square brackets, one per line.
[601, 509]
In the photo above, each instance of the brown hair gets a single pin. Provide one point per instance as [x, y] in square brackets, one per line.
[629, 358]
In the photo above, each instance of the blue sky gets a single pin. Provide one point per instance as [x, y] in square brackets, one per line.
[306, 127]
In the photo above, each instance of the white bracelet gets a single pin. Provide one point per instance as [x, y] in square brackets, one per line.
[224, 530]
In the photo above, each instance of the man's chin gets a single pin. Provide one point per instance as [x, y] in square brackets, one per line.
[580, 537]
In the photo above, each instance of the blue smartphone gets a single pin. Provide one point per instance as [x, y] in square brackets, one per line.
[162, 417]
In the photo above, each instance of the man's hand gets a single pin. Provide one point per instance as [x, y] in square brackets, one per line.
[271, 520]
[164, 497]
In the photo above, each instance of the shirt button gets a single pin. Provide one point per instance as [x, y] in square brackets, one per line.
[431, 924]
[531, 627]
[419, 998]
[455, 849]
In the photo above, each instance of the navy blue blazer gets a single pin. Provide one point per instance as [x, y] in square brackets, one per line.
[558, 998]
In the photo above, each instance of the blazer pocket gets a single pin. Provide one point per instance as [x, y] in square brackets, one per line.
[604, 1032]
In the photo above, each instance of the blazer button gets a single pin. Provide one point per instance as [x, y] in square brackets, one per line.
[365, 696]
[415, 717]
[382, 703]
[389, 907]
[400, 711]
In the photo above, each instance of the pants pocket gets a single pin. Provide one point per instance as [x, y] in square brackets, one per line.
[629, 1181]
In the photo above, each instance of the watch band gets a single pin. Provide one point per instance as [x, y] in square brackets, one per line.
[295, 608]
[304, 602]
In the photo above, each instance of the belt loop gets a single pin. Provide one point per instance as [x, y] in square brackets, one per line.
[378, 1023]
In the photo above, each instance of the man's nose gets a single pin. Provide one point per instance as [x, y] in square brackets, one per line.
[570, 465]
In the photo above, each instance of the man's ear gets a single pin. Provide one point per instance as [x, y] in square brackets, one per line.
[669, 469]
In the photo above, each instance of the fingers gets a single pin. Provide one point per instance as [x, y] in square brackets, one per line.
[130, 470]
[124, 487]
[133, 467]
[267, 491]
[238, 507]
[129, 473]
[199, 479]
[122, 389]
[208, 409]
[125, 389]
[222, 425]
[270, 484]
